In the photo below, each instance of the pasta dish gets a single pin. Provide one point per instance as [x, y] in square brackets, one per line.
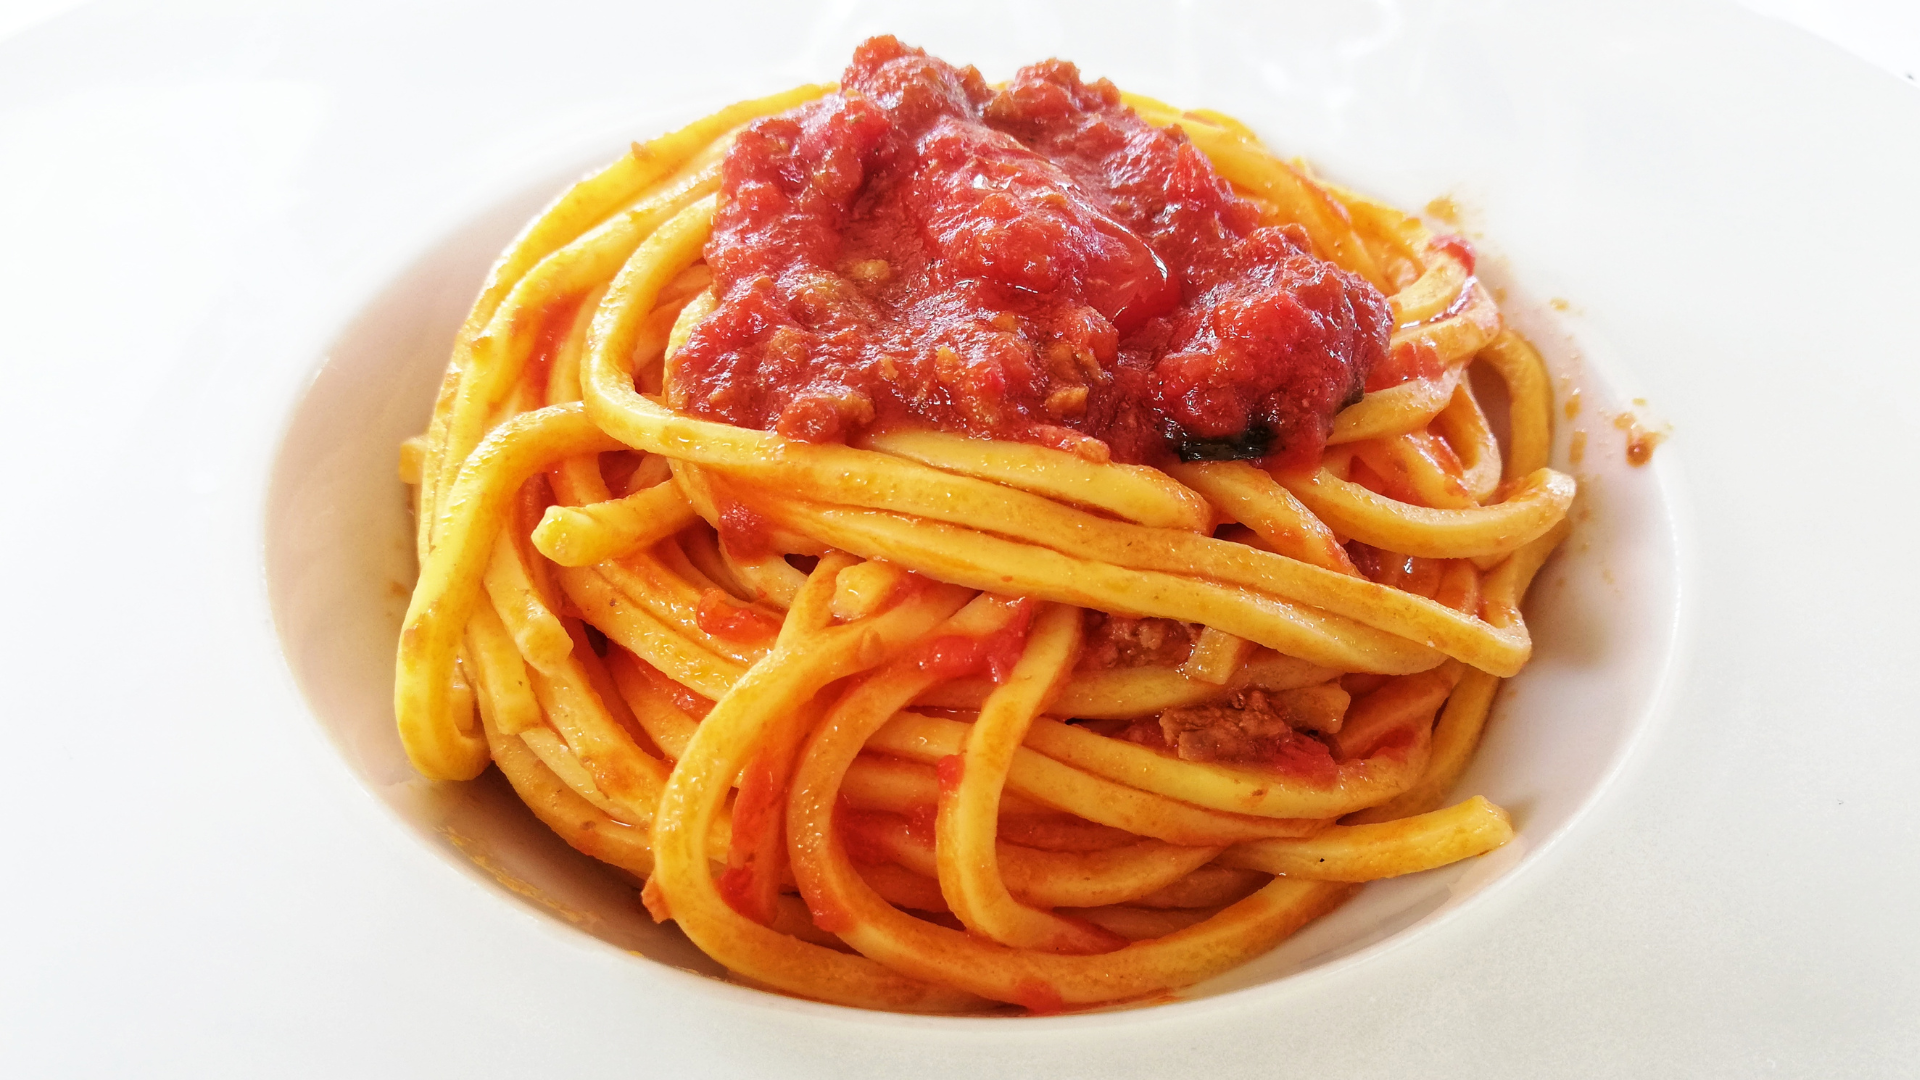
[965, 547]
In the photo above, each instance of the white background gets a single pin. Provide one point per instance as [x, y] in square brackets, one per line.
[1882, 32]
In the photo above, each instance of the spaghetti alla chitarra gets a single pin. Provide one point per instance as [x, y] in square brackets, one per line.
[964, 546]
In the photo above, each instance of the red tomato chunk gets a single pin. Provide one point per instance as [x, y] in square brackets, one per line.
[1036, 264]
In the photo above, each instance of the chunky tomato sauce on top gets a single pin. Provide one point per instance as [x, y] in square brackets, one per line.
[1036, 263]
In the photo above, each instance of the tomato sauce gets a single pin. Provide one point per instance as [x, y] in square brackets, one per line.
[1306, 758]
[948, 770]
[746, 534]
[684, 699]
[827, 914]
[1458, 248]
[956, 656]
[1038, 996]
[720, 616]
[736, 888]
[862, 831]
[1415, 358]
[756, 814]
[1036, 263]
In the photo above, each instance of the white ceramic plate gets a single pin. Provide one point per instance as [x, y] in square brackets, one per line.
[1710, 759]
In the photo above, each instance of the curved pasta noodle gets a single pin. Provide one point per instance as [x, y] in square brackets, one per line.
[1539, 502]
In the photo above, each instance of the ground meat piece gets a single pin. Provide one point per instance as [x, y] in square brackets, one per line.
[1121, 641]
[1246, 727]
[1253, 727]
